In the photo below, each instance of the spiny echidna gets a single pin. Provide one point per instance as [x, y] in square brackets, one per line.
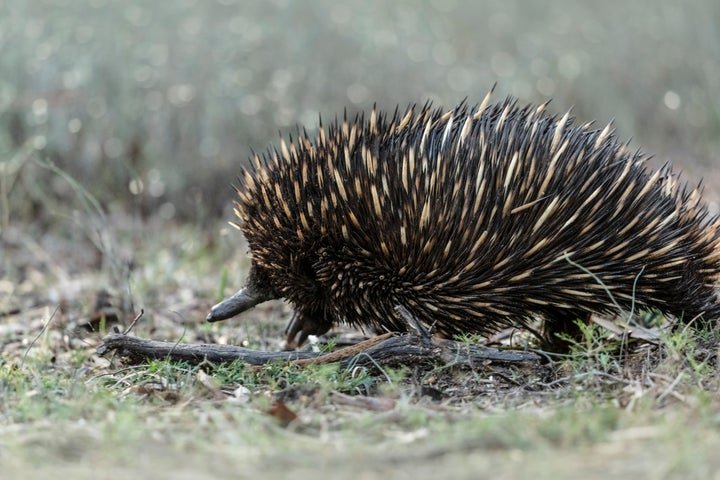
[472, 220]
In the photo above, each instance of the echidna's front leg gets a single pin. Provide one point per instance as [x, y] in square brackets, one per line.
[301, 326]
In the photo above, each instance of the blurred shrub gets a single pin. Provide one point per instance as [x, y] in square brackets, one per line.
[154, 105]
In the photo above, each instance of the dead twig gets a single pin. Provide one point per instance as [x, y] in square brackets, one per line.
[383, 350]
[42, 330]
[135, 320]
[343, 353]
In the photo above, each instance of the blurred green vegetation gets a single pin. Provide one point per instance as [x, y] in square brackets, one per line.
[153, 106]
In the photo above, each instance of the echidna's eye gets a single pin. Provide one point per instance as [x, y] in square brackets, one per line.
[305, 268]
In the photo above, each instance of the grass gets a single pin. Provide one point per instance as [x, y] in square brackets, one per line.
[610, 405]
[126, 426]
[653, 412]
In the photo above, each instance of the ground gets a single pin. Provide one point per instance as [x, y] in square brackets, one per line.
[650, 411]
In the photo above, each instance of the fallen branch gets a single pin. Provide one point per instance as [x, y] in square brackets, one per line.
[386, 349]
[137, 350]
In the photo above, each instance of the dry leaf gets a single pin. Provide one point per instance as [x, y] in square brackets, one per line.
[281, 413]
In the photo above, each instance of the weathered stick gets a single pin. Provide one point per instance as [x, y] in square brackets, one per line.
[138, 350]
[383, 350]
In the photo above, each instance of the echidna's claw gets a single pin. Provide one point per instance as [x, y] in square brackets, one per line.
[295, 334]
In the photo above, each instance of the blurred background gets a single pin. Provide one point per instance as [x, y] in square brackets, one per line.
[150, 108]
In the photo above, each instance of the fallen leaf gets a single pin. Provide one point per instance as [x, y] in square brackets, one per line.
[281, 413]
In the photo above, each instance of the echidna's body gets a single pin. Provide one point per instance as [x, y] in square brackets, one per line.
[472, 220]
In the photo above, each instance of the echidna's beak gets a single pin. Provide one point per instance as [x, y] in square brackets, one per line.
[243, 300]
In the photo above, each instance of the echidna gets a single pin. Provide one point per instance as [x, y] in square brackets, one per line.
[472, 219]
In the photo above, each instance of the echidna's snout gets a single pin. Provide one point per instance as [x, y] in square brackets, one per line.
[243, 300]
[257, 290]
